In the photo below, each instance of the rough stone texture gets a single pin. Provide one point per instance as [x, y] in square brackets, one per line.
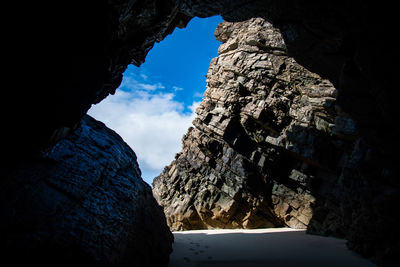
[83, 202]
[62, 57]
[272, 146]
[265, 132]
[80, 59]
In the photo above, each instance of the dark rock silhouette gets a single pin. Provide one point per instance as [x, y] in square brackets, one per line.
[83, 201]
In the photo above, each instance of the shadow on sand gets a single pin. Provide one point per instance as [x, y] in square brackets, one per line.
[262, 247]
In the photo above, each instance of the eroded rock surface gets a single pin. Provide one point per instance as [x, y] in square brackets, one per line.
[265, 126]
[83, 202]
[275, 144]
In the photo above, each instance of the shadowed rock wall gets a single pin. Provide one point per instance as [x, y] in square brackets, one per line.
[82, 201]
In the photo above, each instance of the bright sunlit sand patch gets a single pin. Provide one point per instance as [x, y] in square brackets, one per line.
[260, 247]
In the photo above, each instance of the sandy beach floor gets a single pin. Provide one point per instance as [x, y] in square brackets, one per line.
[261, 247]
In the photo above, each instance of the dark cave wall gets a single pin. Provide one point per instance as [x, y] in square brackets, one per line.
[83, 202]
[62, 58]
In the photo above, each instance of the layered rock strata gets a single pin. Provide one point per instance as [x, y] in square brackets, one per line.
[264, 134]
[275, 144]
[83, 202]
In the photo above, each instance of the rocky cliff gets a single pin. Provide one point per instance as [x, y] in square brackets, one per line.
[271, 146]
[264, 135]
[82, 202]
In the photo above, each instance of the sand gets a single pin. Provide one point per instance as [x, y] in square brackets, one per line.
[261, 247]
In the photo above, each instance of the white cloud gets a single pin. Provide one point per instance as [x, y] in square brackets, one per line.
[198, 94]
[149, 87]
[194, 106]
[132, 84]
[176, 88]
[152, 125]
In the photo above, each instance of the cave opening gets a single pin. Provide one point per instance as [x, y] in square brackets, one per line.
[155, 103]
[246, 180]
[80, 200]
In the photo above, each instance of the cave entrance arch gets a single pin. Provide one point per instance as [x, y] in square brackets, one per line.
[245, 93]
[312, 49]
[337, 40]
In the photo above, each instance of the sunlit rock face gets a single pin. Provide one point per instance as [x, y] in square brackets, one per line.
[83, 202]
[276, 144]
[264, 136]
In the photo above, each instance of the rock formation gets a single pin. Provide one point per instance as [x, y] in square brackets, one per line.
[271, 146]
[83, 202]
[264, 133]
[63, 57]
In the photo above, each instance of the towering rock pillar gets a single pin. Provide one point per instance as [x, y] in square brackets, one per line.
[266, 135]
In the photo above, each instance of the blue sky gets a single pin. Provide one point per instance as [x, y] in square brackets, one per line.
[155, 103]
